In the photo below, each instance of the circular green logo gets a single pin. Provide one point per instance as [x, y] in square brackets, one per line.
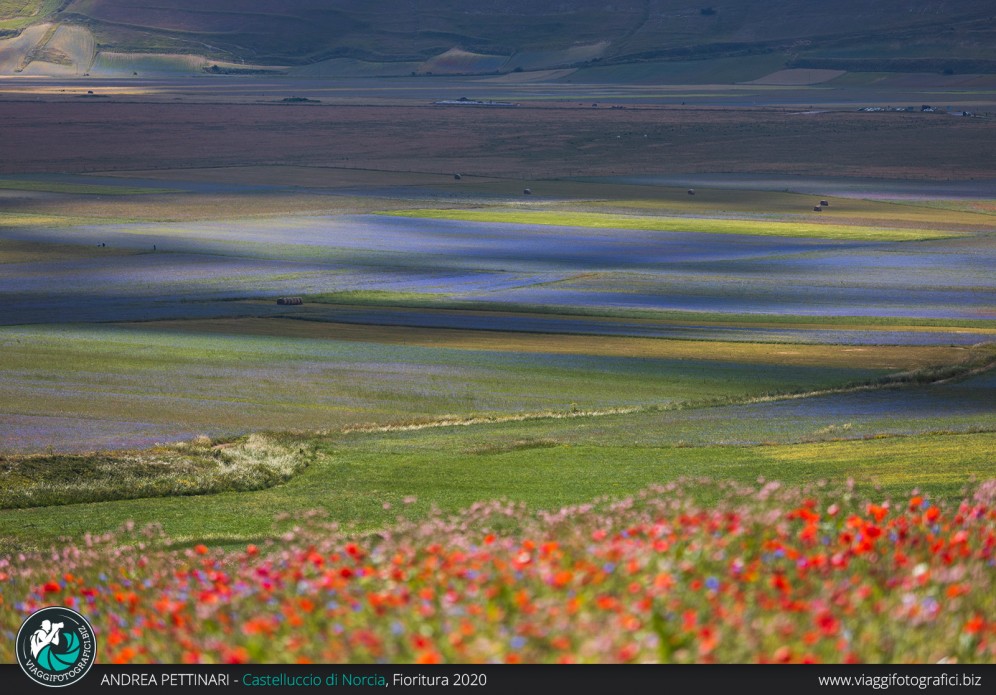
[56, 646]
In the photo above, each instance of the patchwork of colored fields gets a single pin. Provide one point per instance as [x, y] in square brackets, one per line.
[461, 311]
[460, 340]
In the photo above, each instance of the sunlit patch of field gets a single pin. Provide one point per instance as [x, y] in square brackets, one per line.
[17, 251]
[191, 207]
[43, 89]
[457, 61]
[614, 198]
[112, 63]
[883, 357]
[26, 219]
[841, 211]
[595, 220]
[67, 52]
[904, 462]
[630, 198]
[213, 193]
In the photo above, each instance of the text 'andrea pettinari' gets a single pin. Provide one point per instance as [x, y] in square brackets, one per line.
[183, 680]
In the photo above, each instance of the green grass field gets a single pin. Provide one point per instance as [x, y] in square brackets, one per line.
[364, 481]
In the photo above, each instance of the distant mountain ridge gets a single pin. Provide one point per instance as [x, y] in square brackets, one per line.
[487, 36]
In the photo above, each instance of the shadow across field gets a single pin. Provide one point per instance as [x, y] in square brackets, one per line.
[192, 270]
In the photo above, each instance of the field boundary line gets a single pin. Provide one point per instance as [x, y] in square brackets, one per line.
[895, 382]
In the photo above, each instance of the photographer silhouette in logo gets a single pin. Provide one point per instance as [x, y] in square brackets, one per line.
[45, 635]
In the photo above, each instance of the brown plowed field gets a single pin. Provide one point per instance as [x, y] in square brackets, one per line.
[525, 142]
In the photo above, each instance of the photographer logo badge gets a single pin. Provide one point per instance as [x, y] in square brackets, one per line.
[55, 646]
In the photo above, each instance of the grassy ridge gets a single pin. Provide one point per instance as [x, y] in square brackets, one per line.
[596, 220]
[181, 469]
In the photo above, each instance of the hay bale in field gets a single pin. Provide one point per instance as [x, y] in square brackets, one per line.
[824, 203]
[817, 208]
[691, 191]
[457, 177]
[527, 191]
[290, 301]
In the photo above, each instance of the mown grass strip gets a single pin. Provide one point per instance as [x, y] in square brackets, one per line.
[597, 220]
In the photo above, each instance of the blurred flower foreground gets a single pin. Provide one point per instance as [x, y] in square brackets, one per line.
[759, 574]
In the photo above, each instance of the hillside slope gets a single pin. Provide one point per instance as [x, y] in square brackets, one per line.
[542, 35]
